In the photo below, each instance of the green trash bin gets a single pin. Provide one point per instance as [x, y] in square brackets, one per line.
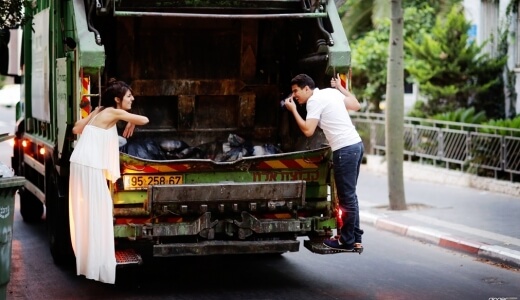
[8, 187]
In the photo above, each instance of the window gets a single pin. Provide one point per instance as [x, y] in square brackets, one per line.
[517, 47]
[489, 26]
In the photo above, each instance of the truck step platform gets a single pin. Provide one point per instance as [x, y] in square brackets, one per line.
[319, 248]
[127, 257]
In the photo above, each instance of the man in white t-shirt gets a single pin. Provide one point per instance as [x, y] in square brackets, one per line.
[328, 109]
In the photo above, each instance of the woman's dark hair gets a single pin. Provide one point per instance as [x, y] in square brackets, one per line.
[115, 88]
[303, 80]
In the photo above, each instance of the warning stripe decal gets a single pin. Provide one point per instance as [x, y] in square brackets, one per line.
[85, 100]
[155, 169]
[294, 164]
[288, 164]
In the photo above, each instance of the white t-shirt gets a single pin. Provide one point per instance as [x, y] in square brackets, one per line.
[328, 107]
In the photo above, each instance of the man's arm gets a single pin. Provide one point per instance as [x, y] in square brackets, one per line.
[351, 102]
[306, 126]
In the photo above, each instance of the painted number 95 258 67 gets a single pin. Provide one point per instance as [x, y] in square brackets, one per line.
[143, 181]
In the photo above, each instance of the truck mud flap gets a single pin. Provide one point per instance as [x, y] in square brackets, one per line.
[225, 247]
[318, 248]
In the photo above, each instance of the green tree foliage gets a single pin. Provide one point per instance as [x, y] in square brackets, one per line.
[11, 13]
[505, 123]
[369, 58]
[356, 16]
[462, 115]
[370, 53]
[442, 7]
[361, 16]
[451, 70]
[11, 16]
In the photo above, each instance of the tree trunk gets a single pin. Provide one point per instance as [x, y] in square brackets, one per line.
[395, 110]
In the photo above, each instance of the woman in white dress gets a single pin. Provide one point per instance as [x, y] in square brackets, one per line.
[95, 160]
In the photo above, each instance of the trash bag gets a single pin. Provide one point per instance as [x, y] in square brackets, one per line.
[145, 148]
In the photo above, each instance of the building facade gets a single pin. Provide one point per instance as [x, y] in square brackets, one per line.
[488, 19]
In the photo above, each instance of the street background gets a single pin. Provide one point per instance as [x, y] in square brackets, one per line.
[394, 265]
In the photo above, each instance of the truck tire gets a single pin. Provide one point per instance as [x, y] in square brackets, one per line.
[57, 204]
[31, 208]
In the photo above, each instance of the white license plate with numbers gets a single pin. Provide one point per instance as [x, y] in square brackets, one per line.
[132, 182]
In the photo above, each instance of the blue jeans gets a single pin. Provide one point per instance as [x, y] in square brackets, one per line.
[347, 162]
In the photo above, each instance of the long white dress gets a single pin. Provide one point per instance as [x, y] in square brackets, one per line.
[95, 160]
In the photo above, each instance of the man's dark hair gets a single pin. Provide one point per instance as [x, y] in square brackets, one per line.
[303, 80]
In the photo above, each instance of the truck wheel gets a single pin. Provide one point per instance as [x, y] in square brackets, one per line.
[31, 208]
[58, 221]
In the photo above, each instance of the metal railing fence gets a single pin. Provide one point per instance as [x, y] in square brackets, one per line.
[484, 150]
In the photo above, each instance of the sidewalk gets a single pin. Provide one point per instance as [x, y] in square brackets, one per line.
[443, 209]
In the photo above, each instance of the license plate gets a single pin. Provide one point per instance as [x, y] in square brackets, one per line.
[143, 181]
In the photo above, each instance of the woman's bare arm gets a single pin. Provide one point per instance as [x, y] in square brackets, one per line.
[80, 124]
[135, 119]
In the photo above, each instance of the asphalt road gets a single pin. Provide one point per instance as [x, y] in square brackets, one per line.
[391, 267]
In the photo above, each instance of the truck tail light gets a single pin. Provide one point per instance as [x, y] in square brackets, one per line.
[339, 218]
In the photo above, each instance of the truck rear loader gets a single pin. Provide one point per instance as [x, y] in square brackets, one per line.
[221, 168]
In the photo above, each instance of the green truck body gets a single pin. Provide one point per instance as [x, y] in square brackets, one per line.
[202, 72]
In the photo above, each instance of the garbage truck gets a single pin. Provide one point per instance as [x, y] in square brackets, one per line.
[222, 167]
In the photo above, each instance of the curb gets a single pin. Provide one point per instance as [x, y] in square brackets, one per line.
[492, 252]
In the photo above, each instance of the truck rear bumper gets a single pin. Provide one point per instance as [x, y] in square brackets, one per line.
[228, 196]
[225, 247]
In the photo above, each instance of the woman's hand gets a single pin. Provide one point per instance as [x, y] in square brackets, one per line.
[129, 130]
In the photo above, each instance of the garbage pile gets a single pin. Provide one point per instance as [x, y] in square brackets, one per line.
[235, 148]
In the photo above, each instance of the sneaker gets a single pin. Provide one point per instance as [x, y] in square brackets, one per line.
[337, 245]
[357, 245]
[336, 237]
